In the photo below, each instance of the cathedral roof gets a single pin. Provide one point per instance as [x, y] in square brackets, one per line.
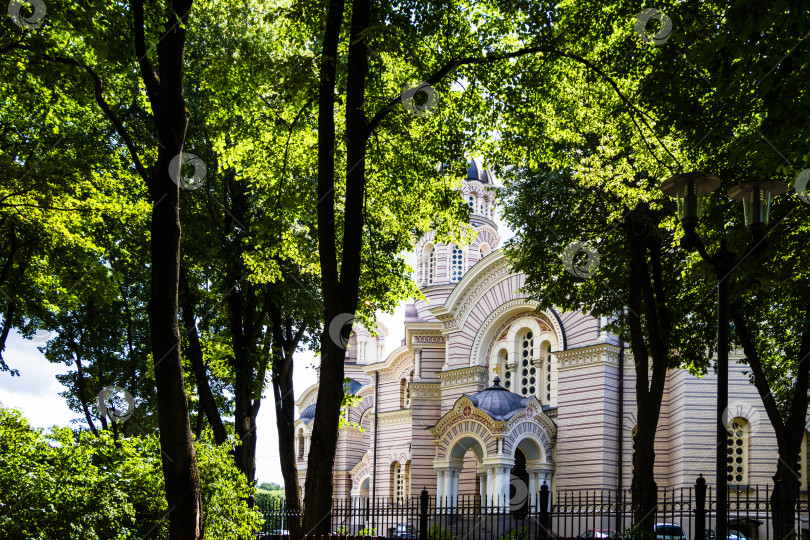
[477, 173]
[411, 315]
[499, 402]
[308, 414]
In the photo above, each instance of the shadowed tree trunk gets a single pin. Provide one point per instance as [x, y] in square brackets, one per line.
[647, 298]
[207, 403]
[166, 94]
[790, 431]
[284, 345]
[340, 287]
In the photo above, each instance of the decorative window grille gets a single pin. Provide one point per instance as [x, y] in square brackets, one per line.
[456, 264]
[737, 456]
[528, 372]
[431, 265]
[397, 482]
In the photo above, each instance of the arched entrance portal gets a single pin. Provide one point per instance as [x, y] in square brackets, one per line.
[519, 486]
[447, 478]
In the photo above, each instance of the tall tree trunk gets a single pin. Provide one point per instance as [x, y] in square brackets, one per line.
[340, 288]
[647, 298]
[284, 347]
[789, 433]
[166, 94]
[207, 403]
[318, 485]
[785, 493]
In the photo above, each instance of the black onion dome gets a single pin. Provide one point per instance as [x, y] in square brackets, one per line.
[308, 414]
[487, 177]
[499, 402]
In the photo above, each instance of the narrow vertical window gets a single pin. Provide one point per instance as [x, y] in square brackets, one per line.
[397, 482]
[300, 443]
[456, 263]
[528, 373]
[403, 389]
[431, 265]
[503, 360]
[737, 456]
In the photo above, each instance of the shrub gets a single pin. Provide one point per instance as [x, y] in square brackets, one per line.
[74, 485]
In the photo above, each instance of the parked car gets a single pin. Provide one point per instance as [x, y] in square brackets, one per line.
[668, 531]
[403, 531]
[598, 533]
[732, 535]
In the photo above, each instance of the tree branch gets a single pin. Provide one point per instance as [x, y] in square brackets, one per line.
[439, 74]
[760, 381]
[119, 127]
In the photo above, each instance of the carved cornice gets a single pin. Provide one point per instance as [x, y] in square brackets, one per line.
[415, 334]
[462, 411]
[428, 340]
[400, 416]
[464, 376]
[426, 391]
[592, 355]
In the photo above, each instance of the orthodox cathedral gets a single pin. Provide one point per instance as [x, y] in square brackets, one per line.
[485, 388]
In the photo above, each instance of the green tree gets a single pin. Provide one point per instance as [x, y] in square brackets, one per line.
[615, 117]
[75, 485]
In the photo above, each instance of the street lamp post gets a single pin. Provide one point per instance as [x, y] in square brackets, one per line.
[691, 189]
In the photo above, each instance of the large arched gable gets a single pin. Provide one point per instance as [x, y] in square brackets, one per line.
[464, 425]
[534, 430]
[499, 318]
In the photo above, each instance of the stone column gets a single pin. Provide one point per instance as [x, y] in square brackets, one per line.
[417, 360]
[482, 487]
[532, 488]
[448, 487]
[439, 487]
[454, 474]
[490, 486]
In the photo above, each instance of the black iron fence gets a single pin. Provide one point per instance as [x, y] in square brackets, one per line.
[686, 513]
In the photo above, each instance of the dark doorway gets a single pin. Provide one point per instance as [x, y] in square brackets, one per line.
[519, 487]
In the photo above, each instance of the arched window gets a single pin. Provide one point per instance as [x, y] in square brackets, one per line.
[528, 373]
[456, 263]
[503, 362]
[300, 443]
[403, 389]
[485, 249]
[430, 258]
[406, 490]
[737, 458]
[547, 376]
[397, 482]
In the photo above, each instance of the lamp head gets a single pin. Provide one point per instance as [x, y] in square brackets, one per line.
[756, 198]
[690, 189]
